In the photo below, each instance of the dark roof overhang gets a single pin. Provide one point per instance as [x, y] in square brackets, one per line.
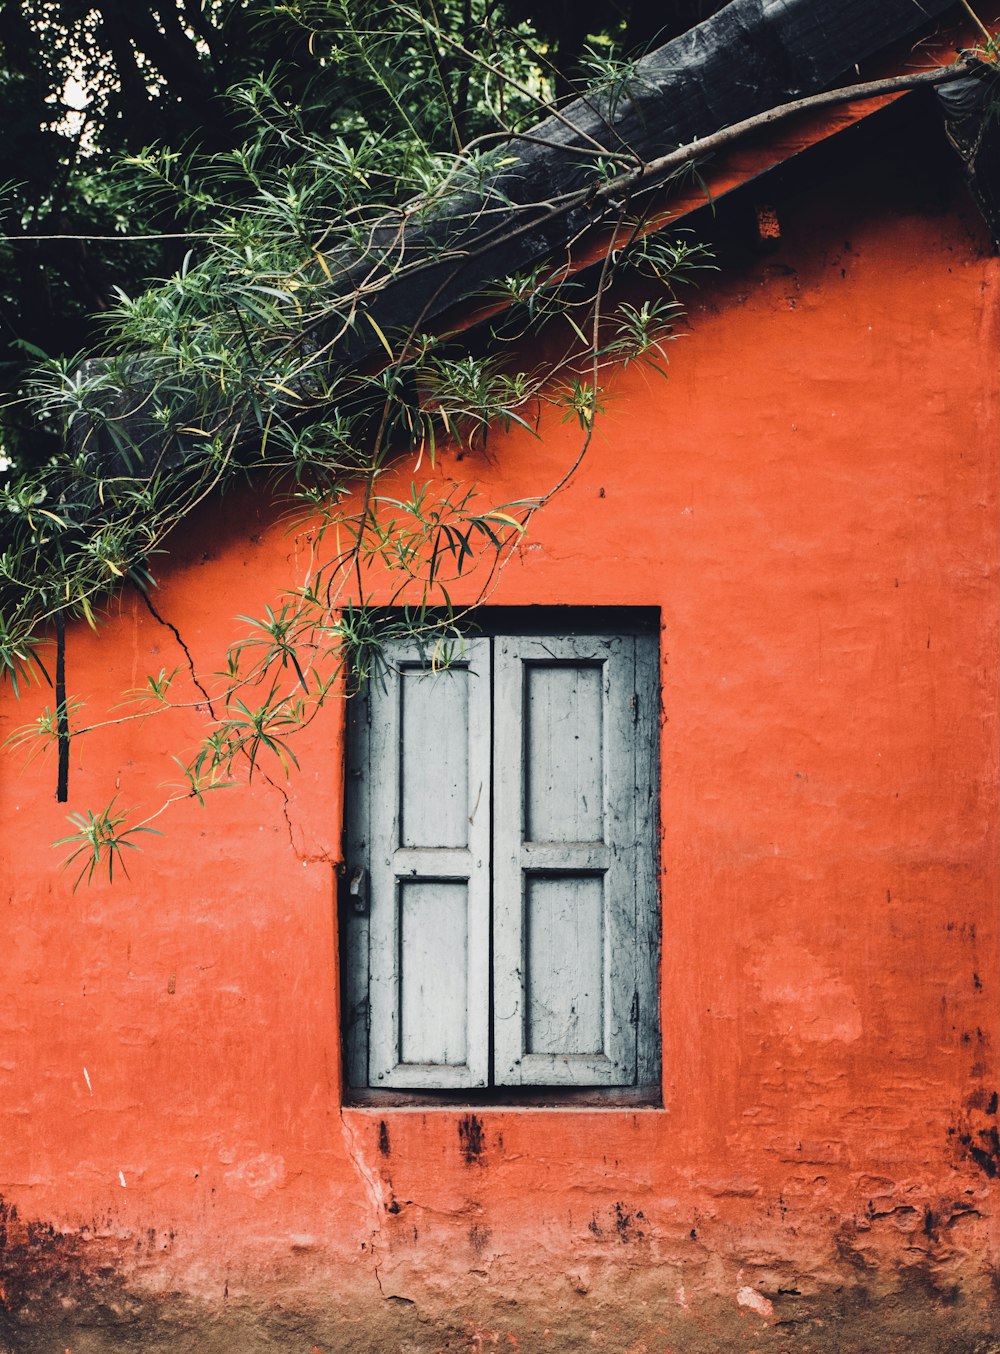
[748, 58]
[427, 261]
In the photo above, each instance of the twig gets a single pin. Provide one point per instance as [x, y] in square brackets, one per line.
[978, 22]
[112, 239]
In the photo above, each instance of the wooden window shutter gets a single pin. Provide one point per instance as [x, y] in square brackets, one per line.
[574, 886]
[429, 823]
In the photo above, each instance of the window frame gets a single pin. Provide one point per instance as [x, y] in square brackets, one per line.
[515, 630]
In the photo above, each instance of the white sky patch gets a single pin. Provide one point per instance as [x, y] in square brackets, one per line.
[74, 95]
[75, 98]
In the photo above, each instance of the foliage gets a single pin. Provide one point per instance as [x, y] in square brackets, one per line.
[377, 164]
[100, 840]
[84, 84]
[263, 351]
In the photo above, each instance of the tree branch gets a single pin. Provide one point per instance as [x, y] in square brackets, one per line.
[707, 145]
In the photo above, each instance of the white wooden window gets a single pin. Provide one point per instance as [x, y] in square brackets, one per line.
[500, 922]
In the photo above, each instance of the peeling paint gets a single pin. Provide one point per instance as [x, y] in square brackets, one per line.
[754, 1301]
[809, 1000]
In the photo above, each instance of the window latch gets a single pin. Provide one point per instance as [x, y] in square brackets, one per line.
[358, 890]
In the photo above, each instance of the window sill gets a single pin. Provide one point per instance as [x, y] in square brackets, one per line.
[508, 1097]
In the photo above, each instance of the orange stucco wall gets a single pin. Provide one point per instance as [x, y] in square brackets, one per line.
[811, 501]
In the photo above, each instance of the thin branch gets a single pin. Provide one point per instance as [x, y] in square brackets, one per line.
[978, 22]
[682, 155]
[868, 89]
[111, 239]
[551, 109]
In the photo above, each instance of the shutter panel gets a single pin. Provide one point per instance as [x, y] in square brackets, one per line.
[429, 819]
[570, 870]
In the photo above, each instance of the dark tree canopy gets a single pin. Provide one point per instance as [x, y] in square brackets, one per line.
[86, 82]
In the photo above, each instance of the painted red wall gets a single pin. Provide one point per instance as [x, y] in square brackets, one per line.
[811, 500]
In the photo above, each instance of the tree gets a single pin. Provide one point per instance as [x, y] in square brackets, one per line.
[84, 84]
[303, 332]
[377, 116]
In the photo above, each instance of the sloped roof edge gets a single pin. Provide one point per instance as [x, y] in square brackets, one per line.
[426, 262]
[749, 57]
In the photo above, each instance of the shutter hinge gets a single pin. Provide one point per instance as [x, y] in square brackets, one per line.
[357, 890]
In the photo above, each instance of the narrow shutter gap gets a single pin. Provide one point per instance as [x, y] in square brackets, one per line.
[491, 995]
[353, 926]
[637, 849]
[648, 931]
